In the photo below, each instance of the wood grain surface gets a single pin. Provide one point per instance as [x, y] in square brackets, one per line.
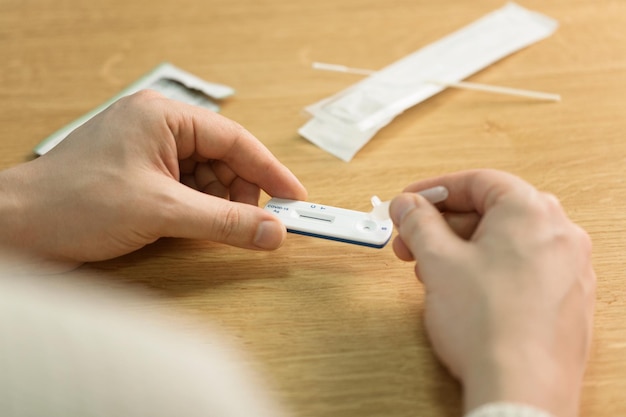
[336, 329]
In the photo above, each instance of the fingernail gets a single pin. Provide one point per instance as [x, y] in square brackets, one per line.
[269, 235]
[402, 205]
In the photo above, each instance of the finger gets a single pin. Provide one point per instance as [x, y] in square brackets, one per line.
[401, 250]
[212, 136]
[463, 224]
[245, 192]
[421, 227]
[209, 183]
[187, 166]
[218, 180]
[239, 189]
[475, 190]
[195, 215]
[189, 181]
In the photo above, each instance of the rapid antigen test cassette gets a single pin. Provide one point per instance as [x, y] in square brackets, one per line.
[332, 223]
[371, 229]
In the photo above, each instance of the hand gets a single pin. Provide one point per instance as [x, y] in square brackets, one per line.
[147, 167]
[509, 287]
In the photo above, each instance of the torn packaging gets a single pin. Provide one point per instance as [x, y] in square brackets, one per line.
[167, 79]
[342, 124]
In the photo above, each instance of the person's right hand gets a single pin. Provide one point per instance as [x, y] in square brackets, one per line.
[509, 287]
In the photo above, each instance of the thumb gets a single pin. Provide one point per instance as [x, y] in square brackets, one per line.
[422, 228]
[196, 215]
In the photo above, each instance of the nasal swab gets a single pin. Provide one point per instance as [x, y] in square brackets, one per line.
[380, 210]
[500, 90]
[460, 84]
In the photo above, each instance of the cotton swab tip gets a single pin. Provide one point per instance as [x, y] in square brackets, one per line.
[380, 209]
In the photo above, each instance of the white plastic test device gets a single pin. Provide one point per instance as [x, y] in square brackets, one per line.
[332, 223]
[357, 227]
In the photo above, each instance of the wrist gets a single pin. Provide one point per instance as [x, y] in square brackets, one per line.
[523, 375]
[22, 217]
[11, 210]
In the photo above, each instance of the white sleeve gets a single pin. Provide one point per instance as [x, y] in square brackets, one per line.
[503, 409]
[73, 347]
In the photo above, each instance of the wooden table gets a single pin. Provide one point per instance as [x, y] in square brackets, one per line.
[336, 328]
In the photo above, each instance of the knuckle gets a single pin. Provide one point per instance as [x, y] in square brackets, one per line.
[551, 200]
[584, 239]
[146, 95]
[228, 228]
[546, 208]
[139, 101]
[240, 133]
[549, 212]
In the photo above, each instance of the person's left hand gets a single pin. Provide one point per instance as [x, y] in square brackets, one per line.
[145, 168]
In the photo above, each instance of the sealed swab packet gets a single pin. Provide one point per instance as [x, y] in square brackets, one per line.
[342, 124]
[380, 209]
[167, 79]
